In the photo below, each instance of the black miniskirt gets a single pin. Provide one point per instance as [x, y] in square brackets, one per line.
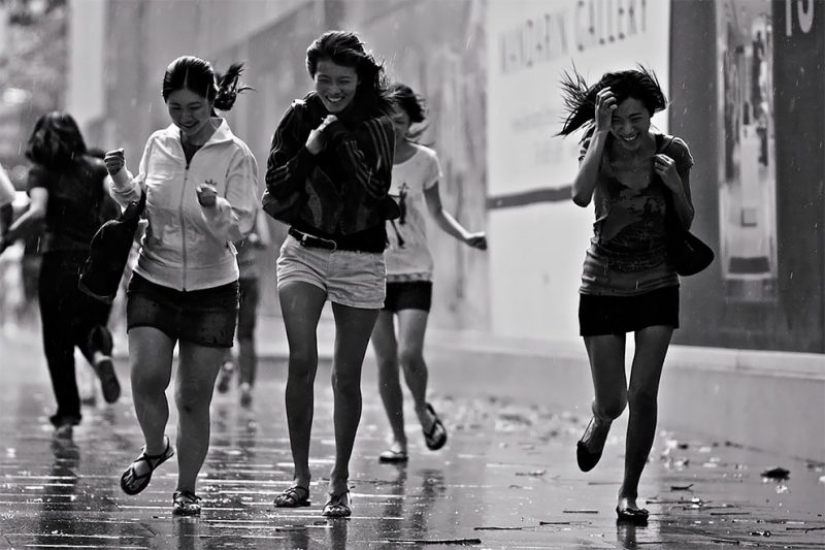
[600, 315]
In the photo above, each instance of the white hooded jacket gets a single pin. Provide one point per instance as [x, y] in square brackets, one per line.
[187, 246]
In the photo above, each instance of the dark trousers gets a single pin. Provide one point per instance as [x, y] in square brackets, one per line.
[69, 318]
[247, 316]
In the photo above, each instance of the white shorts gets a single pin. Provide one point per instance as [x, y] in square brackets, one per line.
[353, 279]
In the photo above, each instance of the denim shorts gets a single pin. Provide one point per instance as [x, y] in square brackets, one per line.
[203, 317]
[353, 279]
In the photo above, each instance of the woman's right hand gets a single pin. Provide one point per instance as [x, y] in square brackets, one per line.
[605, 105]
[317, 140]
[114, 160]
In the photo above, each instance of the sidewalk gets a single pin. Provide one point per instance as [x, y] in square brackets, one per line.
[772, 401]
[507, 478]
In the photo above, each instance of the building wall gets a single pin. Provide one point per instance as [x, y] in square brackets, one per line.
[526, 283]
[780, 307]
[439, 49]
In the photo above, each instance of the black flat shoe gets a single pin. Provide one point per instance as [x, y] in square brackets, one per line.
[632, 515]
[586, 458]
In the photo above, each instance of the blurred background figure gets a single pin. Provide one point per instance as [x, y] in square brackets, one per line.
[244, 355]
[67, 192]
[7, 193]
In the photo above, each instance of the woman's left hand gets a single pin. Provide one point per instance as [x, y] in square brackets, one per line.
[665, 167]
[477, 240]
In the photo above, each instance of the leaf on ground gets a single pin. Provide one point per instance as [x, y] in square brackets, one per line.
[776, 473]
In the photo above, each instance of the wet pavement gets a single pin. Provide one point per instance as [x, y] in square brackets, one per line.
[507, 479]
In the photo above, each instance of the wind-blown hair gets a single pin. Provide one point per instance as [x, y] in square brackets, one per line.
[580, 99]
[346, 49]
[55, 141]
[411, 103]
[198, 76]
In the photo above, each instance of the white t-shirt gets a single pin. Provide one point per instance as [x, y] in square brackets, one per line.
[408, 257]
[6, 188]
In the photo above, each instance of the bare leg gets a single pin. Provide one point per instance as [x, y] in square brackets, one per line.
[197, 370]
[651, 348]
[389, 380]
[301, 306]
[412, 325]
[353, 327]
[150, 351]
[606, 355]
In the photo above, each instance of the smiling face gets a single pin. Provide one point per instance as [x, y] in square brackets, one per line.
[630, 123]
[335, 85]
[190, 112]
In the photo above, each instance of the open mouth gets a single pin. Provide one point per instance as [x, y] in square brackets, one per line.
[630, 138]
[334, 100]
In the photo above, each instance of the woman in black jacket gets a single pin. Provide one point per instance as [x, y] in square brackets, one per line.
[328, 177]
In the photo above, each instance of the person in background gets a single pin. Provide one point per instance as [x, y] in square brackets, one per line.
[247, 356]
[415, 177]
[201, 185]
[331, 163]
[66, 187]
[7, 193]
[633, 175]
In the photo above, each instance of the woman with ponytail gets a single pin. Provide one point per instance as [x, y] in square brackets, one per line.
[201, 186]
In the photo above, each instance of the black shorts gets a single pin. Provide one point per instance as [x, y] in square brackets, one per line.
[203, 317]
[409, 295]
[600, 315]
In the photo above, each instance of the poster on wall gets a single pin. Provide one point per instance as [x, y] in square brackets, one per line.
[531, 44]
[747, 161]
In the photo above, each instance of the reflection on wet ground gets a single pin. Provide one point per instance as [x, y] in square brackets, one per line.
[506, 480]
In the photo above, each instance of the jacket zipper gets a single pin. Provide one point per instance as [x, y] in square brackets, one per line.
[183, 225]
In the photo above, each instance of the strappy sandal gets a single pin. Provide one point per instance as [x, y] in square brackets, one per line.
[294, 497]
[437, 436]
[338, 506]
[186, 503]
[131, 483]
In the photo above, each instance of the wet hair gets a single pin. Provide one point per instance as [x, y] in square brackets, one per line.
[198, 76]
[580, 99]
[55, 141]
[412, 103]
[346, 49]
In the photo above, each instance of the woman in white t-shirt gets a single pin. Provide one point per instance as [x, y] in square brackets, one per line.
[415, 177]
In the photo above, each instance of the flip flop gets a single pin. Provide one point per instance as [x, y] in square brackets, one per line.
[140, 482]
[294, 497]
[437, 436]
[391, 456]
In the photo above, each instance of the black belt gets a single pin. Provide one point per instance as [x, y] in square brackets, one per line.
[312, 241]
